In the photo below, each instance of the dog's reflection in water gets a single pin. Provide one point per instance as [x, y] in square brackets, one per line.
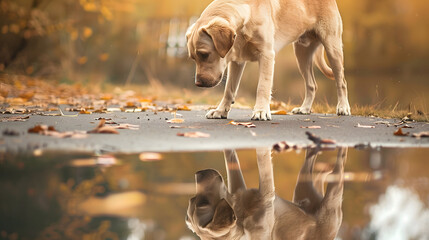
[235, 212]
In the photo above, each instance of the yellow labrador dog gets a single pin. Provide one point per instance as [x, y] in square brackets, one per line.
[232, 32]
[235, 212]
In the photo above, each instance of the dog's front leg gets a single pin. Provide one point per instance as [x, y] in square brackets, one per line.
[306, 195]
[235, 71]
[266, 175]
[267, 190]
[261, 110]
[233, 171]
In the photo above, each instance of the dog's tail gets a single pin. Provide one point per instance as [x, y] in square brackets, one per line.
[321, 62]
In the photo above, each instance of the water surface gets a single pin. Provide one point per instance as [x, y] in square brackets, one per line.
[82, 196]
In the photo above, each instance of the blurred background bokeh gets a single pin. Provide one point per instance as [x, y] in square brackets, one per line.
[142, 42]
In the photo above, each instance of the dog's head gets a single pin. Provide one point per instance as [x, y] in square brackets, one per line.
[208, 44]
[209, 215]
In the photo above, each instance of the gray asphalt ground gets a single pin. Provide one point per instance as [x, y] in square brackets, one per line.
[156, 135]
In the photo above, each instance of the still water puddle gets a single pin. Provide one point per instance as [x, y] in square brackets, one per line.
[385, 194]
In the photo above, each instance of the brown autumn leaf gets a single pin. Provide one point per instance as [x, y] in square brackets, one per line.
[14, 119]
[318, 140]
[130, 105]
[421, 134]
[279, 112]
[183, 108]
[101, 128]
[27, 95]
[52, 132]
[176, 120]
[400, 133]
[84, 111]
[38, 129]
[194, 135]
[312, 127]
[106, 97]
[245, 124]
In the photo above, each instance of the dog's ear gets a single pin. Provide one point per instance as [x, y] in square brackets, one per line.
[223, 217]
[223, 36]
[189, 31]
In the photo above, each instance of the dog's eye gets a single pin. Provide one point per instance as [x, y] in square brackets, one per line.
[203, 55]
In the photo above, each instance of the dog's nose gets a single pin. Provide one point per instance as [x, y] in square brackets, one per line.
[198, 83]
[201, 81]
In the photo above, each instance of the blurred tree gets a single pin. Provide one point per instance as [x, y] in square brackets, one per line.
[143, 40]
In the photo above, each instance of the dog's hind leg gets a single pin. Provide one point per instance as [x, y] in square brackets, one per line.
[235, 72]
[330, 208]
[304, 52]
[233, 171]
[334, 51]
[306, 194]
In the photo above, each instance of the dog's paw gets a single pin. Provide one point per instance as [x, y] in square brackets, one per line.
[301, 110]
[261, 115]
[343, 109]
[217, 114]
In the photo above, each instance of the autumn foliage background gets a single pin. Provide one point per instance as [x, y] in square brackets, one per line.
[99, 42]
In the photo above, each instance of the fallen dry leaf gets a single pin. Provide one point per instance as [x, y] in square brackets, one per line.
[312, 127]
[101, 128]
[14, 119]
[400, 133]
[245, 124]
[421, 134]
[150, 157]
[40, 129]
[52, 132]
[183, 108]
[107, 97]
[84, 111]
[194, 135]
[318, 140]
[279, 112]
[176, 120]
[364, 126]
